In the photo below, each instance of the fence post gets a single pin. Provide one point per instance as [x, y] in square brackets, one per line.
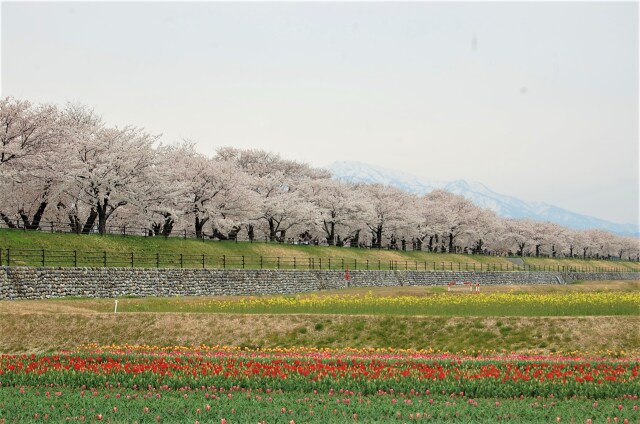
[278, 262]
[342, 263]
[294, 263]
[203, 261]
[181, 263]
[8, 257]
[224, 261]
[75, 258]
[379, 265]
[320, 259]
[157, 260]
[260, 262]
[104, 259]
[0, 257]
[131, 259]
[243, 259]
[42, 257]
[330, 264]
[355, 264]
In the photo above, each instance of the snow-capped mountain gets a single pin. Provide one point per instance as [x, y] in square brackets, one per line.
[504, 205]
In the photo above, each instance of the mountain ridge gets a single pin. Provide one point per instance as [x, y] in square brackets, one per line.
[506, 206]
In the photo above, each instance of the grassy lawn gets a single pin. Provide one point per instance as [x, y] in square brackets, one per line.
[151, 251]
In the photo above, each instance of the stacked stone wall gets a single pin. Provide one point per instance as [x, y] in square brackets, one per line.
[37, 283]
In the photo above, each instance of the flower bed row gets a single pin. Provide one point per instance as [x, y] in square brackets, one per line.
[239, 386]
[477, 377]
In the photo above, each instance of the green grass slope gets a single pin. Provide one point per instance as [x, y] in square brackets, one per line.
[25, 248]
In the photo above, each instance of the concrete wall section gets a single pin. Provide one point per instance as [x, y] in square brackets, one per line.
[36, 283]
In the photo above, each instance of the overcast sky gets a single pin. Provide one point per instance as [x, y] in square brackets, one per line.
[534, 100]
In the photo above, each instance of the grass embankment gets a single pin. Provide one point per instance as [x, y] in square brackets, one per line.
[151, 251]
[64, 324]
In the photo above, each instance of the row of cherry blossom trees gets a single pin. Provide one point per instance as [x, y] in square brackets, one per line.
[66, 165]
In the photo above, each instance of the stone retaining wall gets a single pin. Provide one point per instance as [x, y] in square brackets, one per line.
[36, 283]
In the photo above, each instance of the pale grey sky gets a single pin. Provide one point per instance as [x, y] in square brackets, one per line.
[535, 100]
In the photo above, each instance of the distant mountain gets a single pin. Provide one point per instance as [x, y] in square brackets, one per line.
[503, 205]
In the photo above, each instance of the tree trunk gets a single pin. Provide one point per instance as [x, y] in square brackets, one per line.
[35, 224]
[102, 215]
[74, 223]
[537, 250]
[378, 234]
[233, 234]
[7, 220]
[217, 234]
[91, 220]
[37, 217]
[355, 239]
[167, 226]
[451, 237]
[521, 249]
[199, 226]
[272, 230]
[251, 232]
[329, 229]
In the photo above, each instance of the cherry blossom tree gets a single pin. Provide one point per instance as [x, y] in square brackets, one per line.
[521, 231]
[388, 213]
[483, 232]
[27, 132]
[545, 234]
[456, 215]
[31, 137]
[276, 184]
[213, 190]
[109, 167]
[338, 206]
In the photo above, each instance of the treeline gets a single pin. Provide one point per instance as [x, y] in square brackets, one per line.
[65, 164]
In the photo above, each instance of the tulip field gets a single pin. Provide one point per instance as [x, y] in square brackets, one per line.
[223, 385]
[133, 382]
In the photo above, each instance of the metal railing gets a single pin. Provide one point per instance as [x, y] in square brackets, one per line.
[77, 258]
